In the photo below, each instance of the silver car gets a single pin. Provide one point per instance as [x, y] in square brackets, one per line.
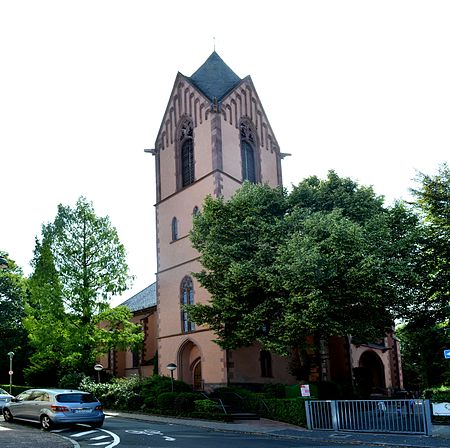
[4, 398]
[53, 407]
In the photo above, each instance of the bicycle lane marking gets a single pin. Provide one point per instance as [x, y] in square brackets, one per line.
[116, 438]
[151, 433]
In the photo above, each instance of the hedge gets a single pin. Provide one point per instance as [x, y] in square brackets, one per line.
[16, 390]
[289, 410]
[438, 394]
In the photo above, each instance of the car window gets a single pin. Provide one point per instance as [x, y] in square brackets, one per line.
[76, 398]
[25, 396]
[37, 395]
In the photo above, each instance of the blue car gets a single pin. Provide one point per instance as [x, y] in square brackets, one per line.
[55, 407]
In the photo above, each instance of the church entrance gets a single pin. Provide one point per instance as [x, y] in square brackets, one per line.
[190, 365]
[369, 375]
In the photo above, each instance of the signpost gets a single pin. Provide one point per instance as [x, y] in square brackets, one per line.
[10, 354]
[447, 354]
[304, 390]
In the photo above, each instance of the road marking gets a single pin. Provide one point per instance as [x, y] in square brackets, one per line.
[84, 433]
[116, 438]
[148, 432]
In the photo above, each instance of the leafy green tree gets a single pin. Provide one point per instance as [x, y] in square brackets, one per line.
[13, 336]
[423, 342]
[427, 331]
[433, 202]
[327, 259]
[78, 265]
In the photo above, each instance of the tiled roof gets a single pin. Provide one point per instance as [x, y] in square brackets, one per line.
[142, 300]
[214, 78]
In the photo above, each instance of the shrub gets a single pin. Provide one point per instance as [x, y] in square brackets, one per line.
[274, 390]
[289, 410]
[120, 393]
[206, 407]
[155, 385]
[15, 390]
[438, 394]
[166, 401]
[185, 402]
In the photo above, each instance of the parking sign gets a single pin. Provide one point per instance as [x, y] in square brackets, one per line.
[447, 354]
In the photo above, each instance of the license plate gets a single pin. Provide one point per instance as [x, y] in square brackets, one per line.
[82, 411]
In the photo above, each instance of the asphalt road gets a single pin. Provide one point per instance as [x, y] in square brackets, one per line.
[126, 433]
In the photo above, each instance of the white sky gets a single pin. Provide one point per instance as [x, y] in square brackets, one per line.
[362, 87]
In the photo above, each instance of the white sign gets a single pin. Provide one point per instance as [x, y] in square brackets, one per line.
[304, 390]
[441, 409]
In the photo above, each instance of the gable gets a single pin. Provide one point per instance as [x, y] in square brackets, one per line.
[185, 100]
[243, 102]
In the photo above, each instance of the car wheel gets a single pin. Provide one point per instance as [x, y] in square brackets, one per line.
[46, 423]
[7, 415]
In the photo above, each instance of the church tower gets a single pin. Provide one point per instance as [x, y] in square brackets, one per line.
[214, 135]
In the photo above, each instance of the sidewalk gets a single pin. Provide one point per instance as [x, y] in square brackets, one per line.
[439, 439]
[23, 436]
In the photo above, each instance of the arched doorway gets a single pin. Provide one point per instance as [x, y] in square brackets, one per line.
[190, 365]
[370, 374]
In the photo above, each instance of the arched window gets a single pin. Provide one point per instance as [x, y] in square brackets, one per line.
[248, 142]
[174, 229]
[186, 298]
[186, 154]
[265, 359]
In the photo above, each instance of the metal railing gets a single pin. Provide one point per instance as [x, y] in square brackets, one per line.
[387, 416]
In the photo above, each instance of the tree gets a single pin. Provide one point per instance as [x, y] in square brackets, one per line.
[327, 259]
[433, 203]
[423, 341]
[78, 265]
[426, 333]
[13, 336]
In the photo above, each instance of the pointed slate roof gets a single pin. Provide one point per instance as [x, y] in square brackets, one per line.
[214, 78]
[142, 300]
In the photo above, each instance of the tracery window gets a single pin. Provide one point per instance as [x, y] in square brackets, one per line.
[248, 142]
[186, 298]
[186, 142]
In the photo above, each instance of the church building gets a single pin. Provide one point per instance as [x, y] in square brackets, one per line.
[214, 135]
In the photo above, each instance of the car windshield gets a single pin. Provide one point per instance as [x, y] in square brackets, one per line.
[76, 398]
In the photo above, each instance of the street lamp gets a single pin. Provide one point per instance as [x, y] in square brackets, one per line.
[171, 367]
[98, 368]
[10, 354]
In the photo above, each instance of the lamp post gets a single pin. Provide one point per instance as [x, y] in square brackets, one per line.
[10, 354]
[171, 367]
[98, 368]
